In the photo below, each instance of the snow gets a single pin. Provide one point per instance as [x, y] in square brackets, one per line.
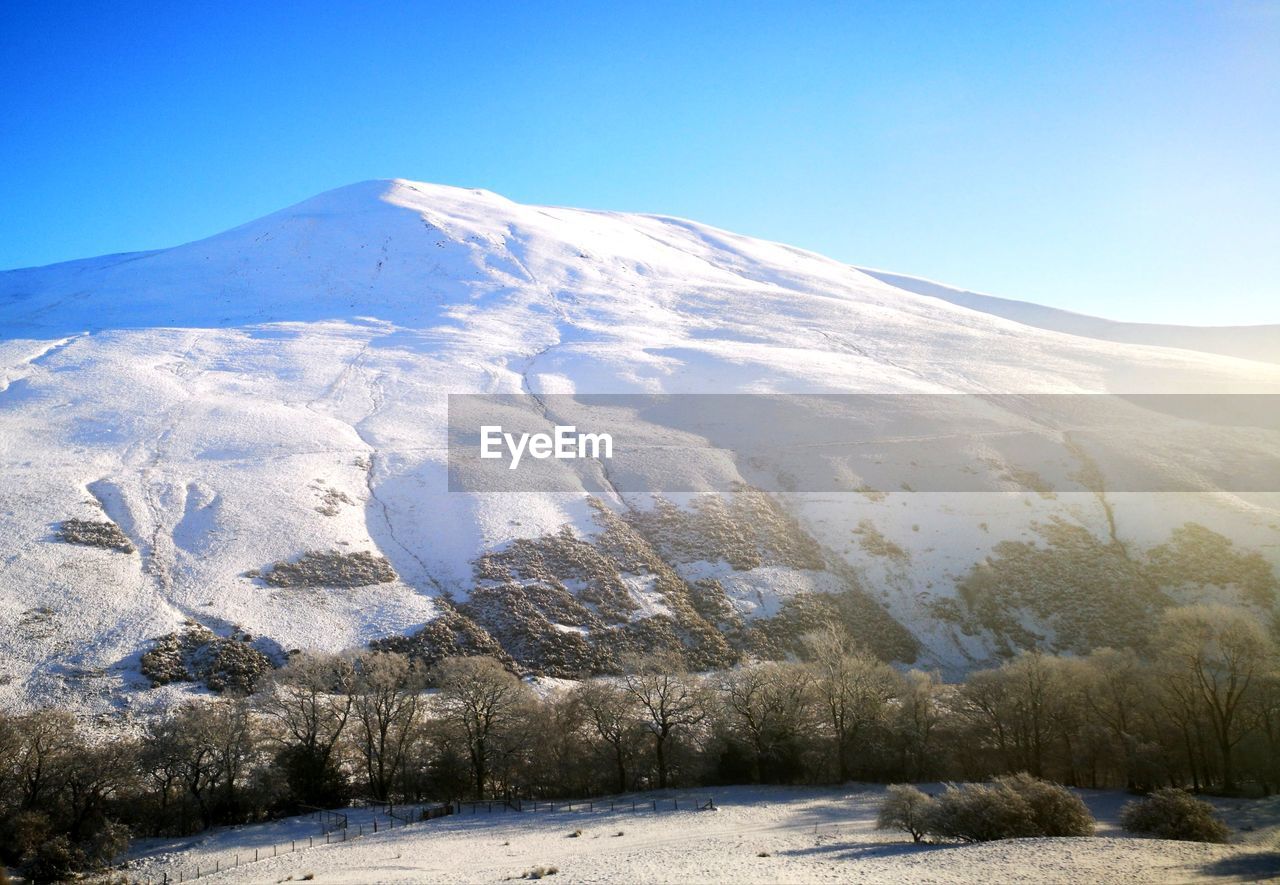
[1260, 343]
[217, 398]
[806, 835]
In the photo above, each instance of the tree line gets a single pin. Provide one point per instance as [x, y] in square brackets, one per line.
[1200, 709]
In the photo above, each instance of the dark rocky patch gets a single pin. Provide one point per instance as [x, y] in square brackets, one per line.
[560, 605]
[1086, 592]
[197, 654]
[1089, 593]
[88, 533]
[746, 529]
[1197, 557]
[450, 635]
[524, 599]
[332, 569]
[782, 636]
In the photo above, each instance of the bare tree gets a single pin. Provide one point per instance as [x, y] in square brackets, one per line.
[44, 738]
[917, 722]
[546, 755]
[1116, 687]
[161, 765]
[92, 777]
[228, 728]
[611, 713]
[387, 705]
[853, 688]
[1215, 655]
[1264, 707]
[310, 701]
[769, 704]
[480, 698]
[1014, 706]
[180, 754]
[669, 699]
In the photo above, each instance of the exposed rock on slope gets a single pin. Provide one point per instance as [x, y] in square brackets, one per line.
[332, 569]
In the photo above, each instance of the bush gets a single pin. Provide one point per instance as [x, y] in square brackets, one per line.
[981, 813]
[1174, 814]
[1012, 807]
[1056, 810]
[905, 808]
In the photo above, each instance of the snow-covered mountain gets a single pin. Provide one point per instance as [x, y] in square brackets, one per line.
[219, 452]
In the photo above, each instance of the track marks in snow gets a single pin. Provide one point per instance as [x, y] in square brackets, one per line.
[33, 363]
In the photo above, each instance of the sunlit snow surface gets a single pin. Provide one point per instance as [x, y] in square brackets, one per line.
[213, 399]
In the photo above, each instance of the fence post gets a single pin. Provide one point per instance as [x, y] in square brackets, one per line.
[255, 855]
[655, 804]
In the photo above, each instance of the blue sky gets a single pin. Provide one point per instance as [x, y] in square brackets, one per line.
[1114, 158]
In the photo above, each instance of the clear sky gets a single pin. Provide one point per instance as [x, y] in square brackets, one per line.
[1117, 158]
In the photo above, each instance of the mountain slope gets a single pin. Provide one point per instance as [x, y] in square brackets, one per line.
[281, 389]
[1260, 343]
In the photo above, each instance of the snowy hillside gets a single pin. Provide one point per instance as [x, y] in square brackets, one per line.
[261, 418]
[1247, 342]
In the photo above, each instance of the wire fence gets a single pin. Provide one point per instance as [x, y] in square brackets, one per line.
[335, 827]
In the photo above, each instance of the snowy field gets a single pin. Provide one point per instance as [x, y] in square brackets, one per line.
[756, 834]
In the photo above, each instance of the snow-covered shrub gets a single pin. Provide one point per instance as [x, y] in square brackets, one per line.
[1174, 814]
[1012, 807]
[981, 813]
[1056, 810]
[907, 809]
